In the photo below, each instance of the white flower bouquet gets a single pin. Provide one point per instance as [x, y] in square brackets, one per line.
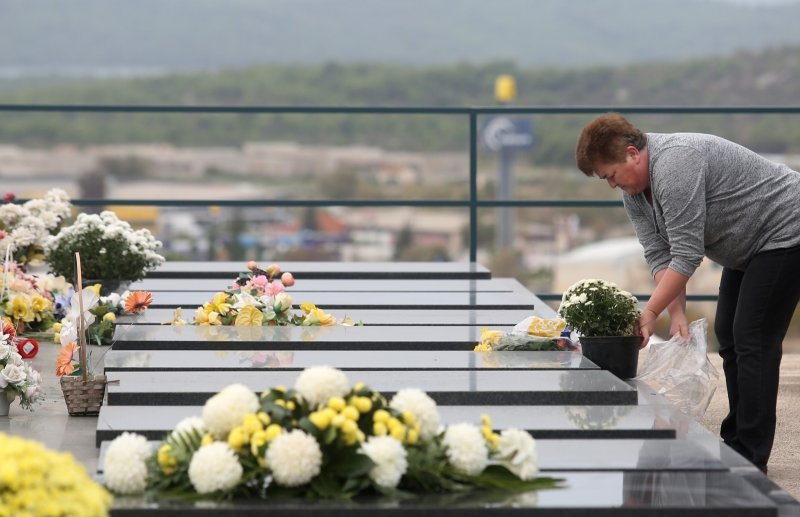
[598, 308]
[25, 228]
[111, 250]
[323, 439]
[17, 377]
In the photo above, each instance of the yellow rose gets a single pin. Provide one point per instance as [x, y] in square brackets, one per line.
[109, 316]
[19, 309]
[249, 316]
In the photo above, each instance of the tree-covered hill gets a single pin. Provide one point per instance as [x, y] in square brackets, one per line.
[768, 78]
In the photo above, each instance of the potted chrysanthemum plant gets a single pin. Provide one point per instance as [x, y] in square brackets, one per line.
[606, 317]
[114, 254]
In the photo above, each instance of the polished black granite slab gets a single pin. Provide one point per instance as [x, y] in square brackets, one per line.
[495, 285]
[337, 337]
[490, 387]
[584, 494]
[543, 422]
[333, 270]
[372, 300]
[241, 360]
[405, 317]
[582, 454]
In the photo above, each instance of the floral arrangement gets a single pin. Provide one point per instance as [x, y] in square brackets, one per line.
[322, 439]
[100, 315]
[532, 333]
[598, 308]
[32, 302]
[110, 249]
[17, 377]
[258, 297]
[25, 228]
[37, 481]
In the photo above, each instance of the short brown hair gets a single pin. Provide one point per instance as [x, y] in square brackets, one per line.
[604, 140]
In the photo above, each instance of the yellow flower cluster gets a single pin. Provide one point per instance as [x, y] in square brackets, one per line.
[257, 430]
[166, 460]
[316, 316]
[492, 439]
[489, 339]
[211, 312]
[28, 307]
[345, 415]
[37, 482]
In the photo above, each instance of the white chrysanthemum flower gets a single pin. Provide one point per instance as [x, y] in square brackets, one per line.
[124, 468]
[516, 451]
[225, 410]
[465, 448]
[422, 407]
[294, 458]
[214, 467]
[319, 383]
[188, 425]
[389, 457]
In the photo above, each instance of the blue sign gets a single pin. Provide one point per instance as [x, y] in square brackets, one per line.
[506, 132]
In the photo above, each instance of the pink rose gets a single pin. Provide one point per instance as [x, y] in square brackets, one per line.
[274, 288]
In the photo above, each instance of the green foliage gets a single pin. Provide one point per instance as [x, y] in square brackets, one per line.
[109, 248]
[599, 308]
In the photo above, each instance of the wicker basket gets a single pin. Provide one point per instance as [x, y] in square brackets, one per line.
[83, 398]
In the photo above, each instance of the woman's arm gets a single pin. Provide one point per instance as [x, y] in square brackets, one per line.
[670, 293]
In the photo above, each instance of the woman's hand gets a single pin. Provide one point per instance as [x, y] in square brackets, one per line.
[647, 323]
[680, 325]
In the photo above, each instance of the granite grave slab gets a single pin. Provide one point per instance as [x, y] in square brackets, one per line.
[585, 494]
[395, 317]
[495, 285]
[582, 454]
[332, 270]
[393, 360]
[570, 422]
[331, 301]
[490, 387]
[337, 337]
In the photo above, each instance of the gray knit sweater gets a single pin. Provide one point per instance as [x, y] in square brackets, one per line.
[715, 198]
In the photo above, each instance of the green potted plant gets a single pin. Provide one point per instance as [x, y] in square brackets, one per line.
[112, 252]
[606, 317]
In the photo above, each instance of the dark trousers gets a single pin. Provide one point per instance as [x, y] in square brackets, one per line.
[753, 313]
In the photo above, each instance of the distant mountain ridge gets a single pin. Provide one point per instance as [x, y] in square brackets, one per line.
[124, 37]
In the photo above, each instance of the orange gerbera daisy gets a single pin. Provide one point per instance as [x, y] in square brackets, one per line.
[64, 364]
[138, 301]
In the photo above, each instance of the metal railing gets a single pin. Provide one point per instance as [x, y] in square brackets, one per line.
[471, 114]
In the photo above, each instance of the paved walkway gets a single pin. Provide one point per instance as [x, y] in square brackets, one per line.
[786, 451]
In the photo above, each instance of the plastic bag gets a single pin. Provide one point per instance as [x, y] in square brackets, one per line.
[681, 371]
